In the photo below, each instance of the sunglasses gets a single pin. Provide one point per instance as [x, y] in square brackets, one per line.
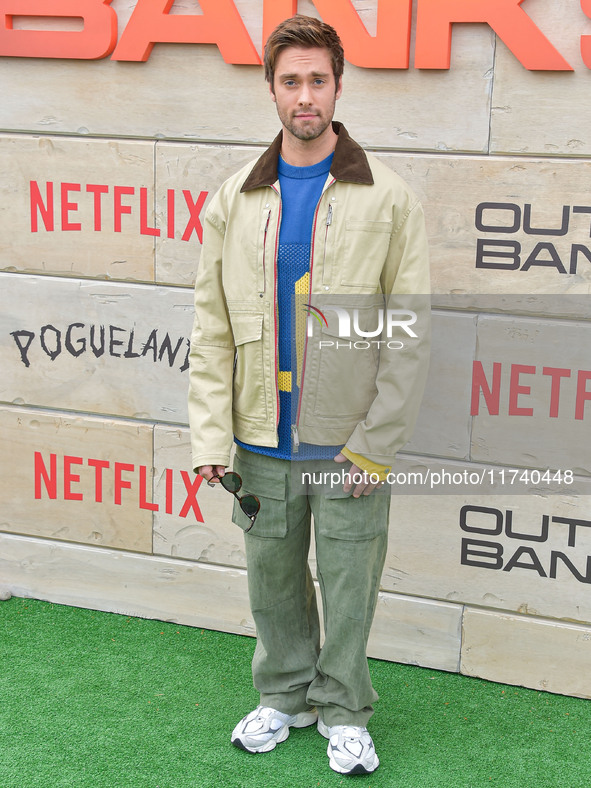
[249, 504]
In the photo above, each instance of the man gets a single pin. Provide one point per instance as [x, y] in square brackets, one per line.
[316, 218]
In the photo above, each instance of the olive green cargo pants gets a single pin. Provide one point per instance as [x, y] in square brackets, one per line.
[291, 670]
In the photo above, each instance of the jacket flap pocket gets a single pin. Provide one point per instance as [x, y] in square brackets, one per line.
[246, 326]
[355, 318]
[337, 326]
[368, 226]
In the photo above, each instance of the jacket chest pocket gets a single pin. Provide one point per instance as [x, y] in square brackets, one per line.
[366, 248]
[249, 380]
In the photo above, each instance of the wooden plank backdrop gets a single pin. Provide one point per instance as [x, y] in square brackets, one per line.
[107, 169]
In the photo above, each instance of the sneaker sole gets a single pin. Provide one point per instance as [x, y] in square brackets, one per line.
[358, 769]
[302, 720]
[268, 746]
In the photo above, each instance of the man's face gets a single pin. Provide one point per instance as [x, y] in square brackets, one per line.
[304, 91]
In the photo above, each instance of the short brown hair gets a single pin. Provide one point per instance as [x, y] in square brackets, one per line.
[306, 32]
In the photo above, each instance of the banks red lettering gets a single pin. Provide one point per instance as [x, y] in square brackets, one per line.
[95, 41]
[389, 48]
[506, 17]
[221, 24]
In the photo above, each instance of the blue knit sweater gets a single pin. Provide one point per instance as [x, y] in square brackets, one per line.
[301, 188]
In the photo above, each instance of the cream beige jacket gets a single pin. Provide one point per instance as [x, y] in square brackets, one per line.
[369, 252]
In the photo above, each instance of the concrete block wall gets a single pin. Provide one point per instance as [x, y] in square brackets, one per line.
[107, 167]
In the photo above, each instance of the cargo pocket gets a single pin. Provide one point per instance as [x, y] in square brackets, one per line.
[341, 516]
[271, 520]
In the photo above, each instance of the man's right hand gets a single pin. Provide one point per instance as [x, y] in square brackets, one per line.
[210, 472]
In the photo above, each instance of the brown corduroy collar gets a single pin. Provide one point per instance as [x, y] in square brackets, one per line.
[349, 162]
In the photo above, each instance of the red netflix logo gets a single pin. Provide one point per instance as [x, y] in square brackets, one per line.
[56, 205]
[66, 483]
[519, 376]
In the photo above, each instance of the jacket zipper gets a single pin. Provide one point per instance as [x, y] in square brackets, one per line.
[275, 308]
[265, 250]
[294, 427]
[328, 223]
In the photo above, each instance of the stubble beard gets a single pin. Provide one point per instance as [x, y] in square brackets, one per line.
[309, 130]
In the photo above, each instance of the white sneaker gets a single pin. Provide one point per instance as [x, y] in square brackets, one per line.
[264, 728]
[350, 749]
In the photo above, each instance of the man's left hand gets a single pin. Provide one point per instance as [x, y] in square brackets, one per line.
[365, 486]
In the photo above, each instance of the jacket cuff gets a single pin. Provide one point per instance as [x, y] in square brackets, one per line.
[198, 462]
[366, 465]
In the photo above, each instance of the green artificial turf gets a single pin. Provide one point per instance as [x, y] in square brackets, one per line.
[106, 701]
